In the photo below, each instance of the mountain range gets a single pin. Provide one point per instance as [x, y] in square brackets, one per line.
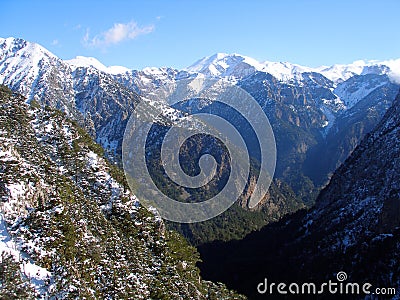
[314, 112]
[318, 115]
[336, 136]
[353, 228]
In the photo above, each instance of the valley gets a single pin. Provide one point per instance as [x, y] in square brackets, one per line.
[332, 204]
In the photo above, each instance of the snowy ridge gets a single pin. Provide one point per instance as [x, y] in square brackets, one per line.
[225, 65]
[26, 57]
[342, 72]
[85, 62]
[22, 60]
[76, 85]
[285, 71]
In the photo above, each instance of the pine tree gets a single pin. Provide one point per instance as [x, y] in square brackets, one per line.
[13, 283]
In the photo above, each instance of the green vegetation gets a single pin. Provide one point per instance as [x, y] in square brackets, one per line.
[13, 284]
[80, 222]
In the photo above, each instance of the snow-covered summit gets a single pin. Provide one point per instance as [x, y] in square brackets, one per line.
[284, 71]
[82, 61]
[342, 72]
[237, 65]
[22, 48]
[28, 57]
[225, 65]
[22, 63]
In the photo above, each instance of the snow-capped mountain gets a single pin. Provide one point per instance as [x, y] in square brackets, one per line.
[342, 72]
[25, 64]
[319, 116]
[37, 74]
[226, 65]
[310, 103]
[85, 62]
[23, 61]
[238, 66]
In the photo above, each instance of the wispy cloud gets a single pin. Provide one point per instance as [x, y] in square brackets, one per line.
[54, 42]
[118, 33]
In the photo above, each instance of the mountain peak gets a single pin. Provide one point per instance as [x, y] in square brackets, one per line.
[83, 61]
[233, 65]
[225, 65]
[21, 47]
[219, 55]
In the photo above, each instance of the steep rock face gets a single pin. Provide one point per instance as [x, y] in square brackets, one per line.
[296, 113]
[105, 105]
[350, 126]
[238, 220]
[69, 222]
[367, 186]
[354, 226]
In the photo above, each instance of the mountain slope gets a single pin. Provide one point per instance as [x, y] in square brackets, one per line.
[354, 227]
[37, 74]
[315, 112]
[102, 103]
[88, 95]
[350, 126]
[71, 225]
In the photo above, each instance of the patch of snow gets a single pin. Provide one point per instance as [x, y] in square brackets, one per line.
[285, 71]
[351, 95]
[93, 159]
[38, 276]
[48, 127]
[58, 209]
[330, 119]
[16, 190]
[7, 155]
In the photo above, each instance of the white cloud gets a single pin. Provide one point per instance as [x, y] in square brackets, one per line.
[118, 33]
[394, 77]
[54, 42]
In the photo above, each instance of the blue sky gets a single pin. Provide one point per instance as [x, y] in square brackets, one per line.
[137, 34]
